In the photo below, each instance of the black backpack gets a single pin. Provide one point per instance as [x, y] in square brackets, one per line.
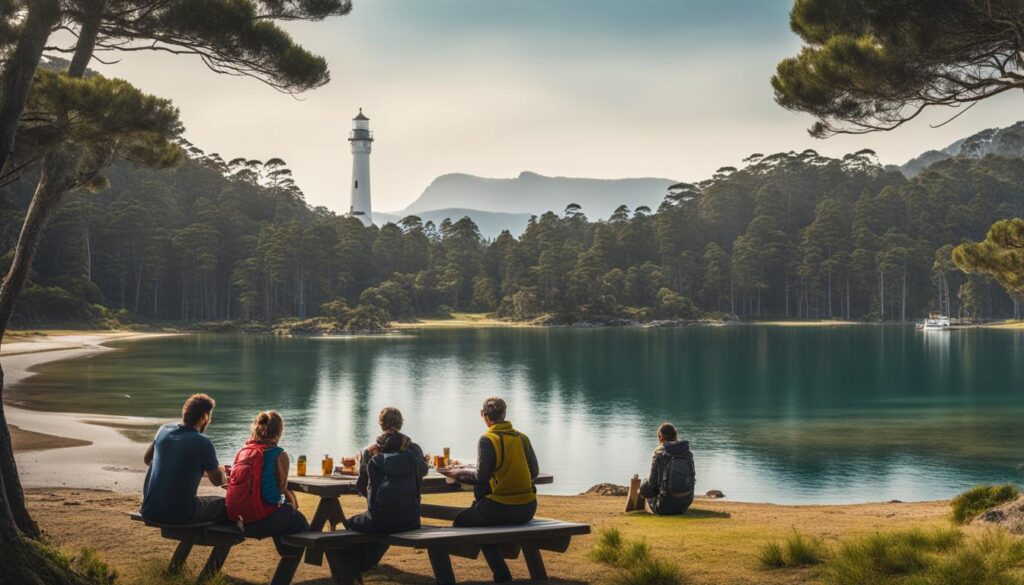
[395, 499]
[678, 475]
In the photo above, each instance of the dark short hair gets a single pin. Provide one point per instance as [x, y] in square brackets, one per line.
[494, 409]
[267, 426]
[195, 407]
[390, 419]
[668, 432]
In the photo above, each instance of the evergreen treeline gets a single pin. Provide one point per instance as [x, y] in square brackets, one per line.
[789, 235]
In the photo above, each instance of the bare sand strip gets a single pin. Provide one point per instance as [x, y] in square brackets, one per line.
[108, 459]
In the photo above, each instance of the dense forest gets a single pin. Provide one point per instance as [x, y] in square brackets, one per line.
[791, 235]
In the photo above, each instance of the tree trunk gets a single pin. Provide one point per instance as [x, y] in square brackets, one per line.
[86, 39]
[881, 288]
[56, 179]
[903, 300]
[88, 255]
[19, 70]
[138, 287]
[830, 315]
[787, 297]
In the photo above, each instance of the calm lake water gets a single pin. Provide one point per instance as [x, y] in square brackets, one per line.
[776, 414]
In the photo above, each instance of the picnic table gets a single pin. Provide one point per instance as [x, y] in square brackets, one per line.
[330, 489]
[530, 539]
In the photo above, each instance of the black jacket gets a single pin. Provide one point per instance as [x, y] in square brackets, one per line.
[652, 488]
[399, 465]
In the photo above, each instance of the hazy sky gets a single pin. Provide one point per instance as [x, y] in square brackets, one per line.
[587, 88]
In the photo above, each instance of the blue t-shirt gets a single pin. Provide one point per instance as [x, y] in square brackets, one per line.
[269, 485]
[181, 455]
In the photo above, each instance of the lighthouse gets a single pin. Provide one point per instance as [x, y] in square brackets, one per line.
[362, 140]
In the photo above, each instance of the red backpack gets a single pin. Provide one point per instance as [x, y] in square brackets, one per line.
[244, 499]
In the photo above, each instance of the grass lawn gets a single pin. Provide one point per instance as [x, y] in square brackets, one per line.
[717, 542]
[458, 321]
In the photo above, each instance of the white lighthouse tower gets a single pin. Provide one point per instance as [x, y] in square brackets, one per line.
[362, 140]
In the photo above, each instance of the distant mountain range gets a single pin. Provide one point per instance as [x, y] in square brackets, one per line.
[533, 193]
[507, 204]
[500, 204]
[1008, 142]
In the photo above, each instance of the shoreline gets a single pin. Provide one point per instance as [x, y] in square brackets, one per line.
[83, 450]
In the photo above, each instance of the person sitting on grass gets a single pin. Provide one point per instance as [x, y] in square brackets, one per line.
[258, 497]
[178, 458]
[503, 487]
[669, 489]
[391, 471]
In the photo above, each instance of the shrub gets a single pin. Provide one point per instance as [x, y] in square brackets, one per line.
[367, 318]
[886, 557]
[968, 505]
[608, 549]
[802, 551]
[672, 305]
[89, 565]
[634, 561]
[337, 309]
[771, 556]
[994, 558]
[797, 551]
[650, 571]
[51, 304]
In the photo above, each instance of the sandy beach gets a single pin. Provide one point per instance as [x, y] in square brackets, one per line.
[71, 449]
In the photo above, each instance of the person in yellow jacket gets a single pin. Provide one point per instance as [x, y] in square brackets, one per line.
[503, 483]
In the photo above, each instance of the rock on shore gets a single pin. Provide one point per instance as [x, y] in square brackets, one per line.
[607, 489]
[1009, 516]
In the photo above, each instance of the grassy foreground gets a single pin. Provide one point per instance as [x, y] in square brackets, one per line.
[717, 542]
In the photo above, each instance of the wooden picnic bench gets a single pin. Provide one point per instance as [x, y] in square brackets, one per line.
[219, 536]
[330, 489]
[529, 539]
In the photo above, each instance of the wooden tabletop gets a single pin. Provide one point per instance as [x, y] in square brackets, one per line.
[338, 485]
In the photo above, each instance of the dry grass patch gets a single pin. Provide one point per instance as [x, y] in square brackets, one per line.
[633, 562]
[797, 551]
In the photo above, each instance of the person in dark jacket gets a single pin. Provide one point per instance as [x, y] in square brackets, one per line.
[660, 496]
[503, 483]
[391, 472]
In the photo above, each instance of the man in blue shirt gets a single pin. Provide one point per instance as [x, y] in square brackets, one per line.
[177, 459]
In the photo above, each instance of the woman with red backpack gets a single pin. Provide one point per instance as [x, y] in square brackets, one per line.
[258, 498]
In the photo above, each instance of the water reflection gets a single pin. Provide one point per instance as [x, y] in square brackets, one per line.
[775, 414]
